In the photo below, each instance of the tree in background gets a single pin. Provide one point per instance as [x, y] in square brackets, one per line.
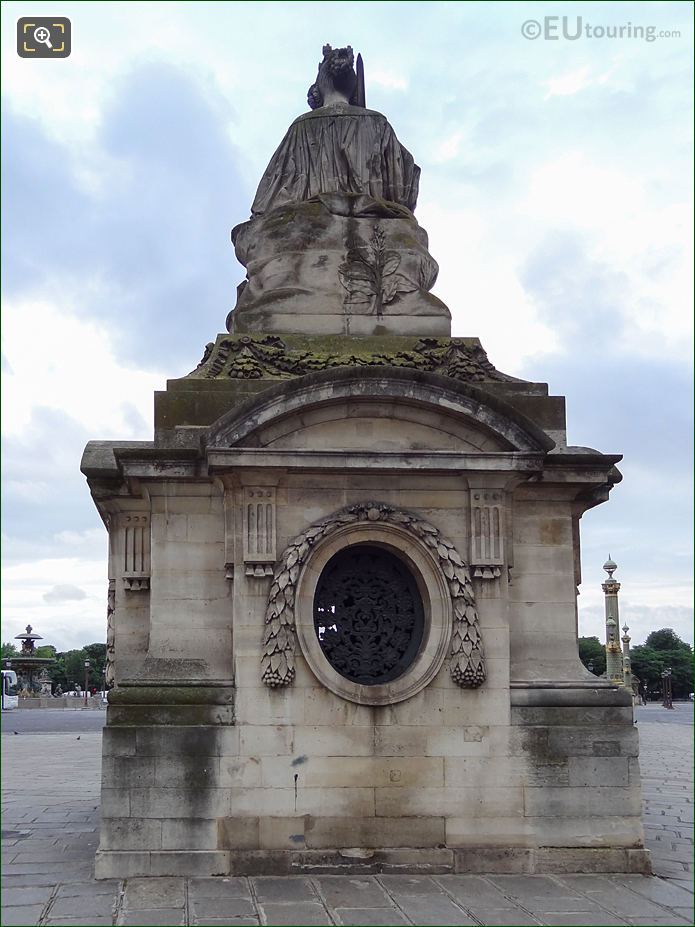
[48, 652]
[96, 654]
[591, 650]
[68, 668]
[665, 639]
[663, 649]
[7, 651]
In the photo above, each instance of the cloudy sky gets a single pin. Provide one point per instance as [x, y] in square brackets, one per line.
[556, 190]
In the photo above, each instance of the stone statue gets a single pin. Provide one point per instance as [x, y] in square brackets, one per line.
[338, 148]
[333, 246]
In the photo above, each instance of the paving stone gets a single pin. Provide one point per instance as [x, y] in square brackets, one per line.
[26, 896]
[668, 869]
[152, 917]
[298, 912]
[144, 894]
[537, 888]
[222, 907]
[580, 919]
[218, 888]
[370, 917]
[669, 921]
[105, 887]
[226, 921]
[53, 855]
[681, 883]
[433, 909]
[504, 917]
[344, 891]
[473, 890]
[79, 922]
[21, 916]
[408, 885]
[614, 898]
[289, 888]
[83, 905]
[660, 891]
[582, 908]
[26, 880]
[62, 872]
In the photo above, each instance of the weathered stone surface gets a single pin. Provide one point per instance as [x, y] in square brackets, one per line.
[340, 412]
[337, 266]
[332, 235]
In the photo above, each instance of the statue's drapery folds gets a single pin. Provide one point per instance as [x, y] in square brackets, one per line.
[338, 149]
[332, 244]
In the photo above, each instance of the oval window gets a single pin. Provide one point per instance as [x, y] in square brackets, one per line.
[368, 615]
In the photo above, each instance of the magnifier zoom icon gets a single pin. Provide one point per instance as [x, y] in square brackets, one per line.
[43, 36]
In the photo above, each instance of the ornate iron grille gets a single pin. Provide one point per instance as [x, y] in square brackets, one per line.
[368, 615]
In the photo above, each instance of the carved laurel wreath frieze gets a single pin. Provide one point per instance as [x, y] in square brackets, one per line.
[467, 661]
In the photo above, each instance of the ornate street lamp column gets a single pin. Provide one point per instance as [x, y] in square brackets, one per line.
[627, 665]
[666, 685]
[86, 682]
[614, 656]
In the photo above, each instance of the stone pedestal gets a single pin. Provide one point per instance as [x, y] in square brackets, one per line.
[233, 745]
[337, 265]
[343, 576]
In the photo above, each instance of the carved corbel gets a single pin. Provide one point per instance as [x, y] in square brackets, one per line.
[488, 533]
[228, 533]
[259, 531]
[136, 546]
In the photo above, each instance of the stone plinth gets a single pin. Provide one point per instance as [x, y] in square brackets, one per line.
[276, 454]
[337, 265]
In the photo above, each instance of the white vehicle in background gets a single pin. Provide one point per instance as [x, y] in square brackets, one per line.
[10, 699]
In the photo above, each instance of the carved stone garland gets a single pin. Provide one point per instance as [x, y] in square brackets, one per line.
[279, 642]
[248, 357]
[109, 673]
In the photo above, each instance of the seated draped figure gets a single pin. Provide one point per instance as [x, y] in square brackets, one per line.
[332, 232]
[338, 147]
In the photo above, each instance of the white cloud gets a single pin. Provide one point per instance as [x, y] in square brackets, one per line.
[61, 362]
[64, 593]
[388, 79]
[65, 624]
[568, 83]
[448, 148]
[481, 286]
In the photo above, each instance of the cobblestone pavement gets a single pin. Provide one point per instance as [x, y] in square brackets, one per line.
[666, 762]
[50, 834]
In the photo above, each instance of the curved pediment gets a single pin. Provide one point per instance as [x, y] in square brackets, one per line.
[388, 409]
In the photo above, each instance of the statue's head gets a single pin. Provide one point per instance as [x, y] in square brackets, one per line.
[336, 78]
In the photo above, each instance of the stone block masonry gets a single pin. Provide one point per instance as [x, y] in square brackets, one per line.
[343, 575]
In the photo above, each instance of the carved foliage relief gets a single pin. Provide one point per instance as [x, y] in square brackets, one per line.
[110, 634]
[369, 274]
[248, 357]
[467, 662]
